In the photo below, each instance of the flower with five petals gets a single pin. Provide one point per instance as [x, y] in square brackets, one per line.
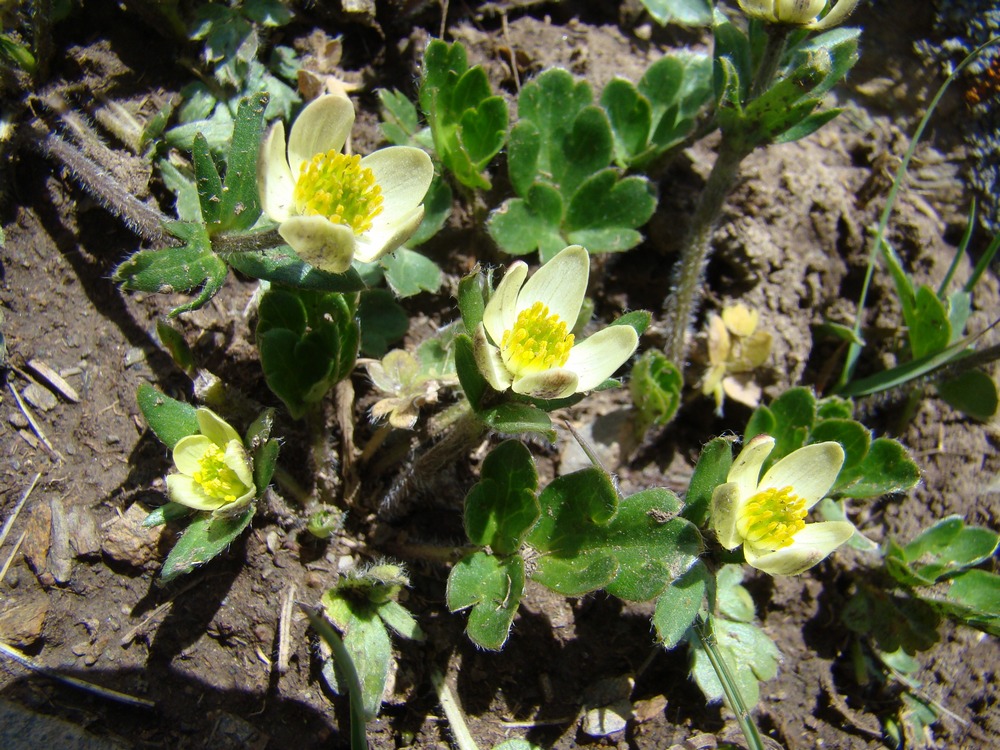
[330, 207]
[214, 470]
[767, 514]
[524, 341]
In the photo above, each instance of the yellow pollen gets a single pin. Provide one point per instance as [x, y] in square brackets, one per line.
[336, 186]
[772, 517]
[538, 341]
[217, 479]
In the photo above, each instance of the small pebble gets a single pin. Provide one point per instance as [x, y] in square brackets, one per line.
[18, 420]
[39, 397]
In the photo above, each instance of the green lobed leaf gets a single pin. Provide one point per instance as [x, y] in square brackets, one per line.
[974, 598]
[501, 507]
[893, 621]
[852, 436]
[187, 206]
[521, 226]
[400, 122]
[169, 419]
[651, 544]
[630, 116]
[240, 205]
[948, 547]
[492, 587]
[655, 386]
[973, 393]
[551, 103]
[281, 265]
[733, 600]
[794, 413]
[885, 468]
[408, 273]
[679, 605]
[299, 370]
[711, 470]
[176, 269]
[204, 538]
[749, 654]
[603, 201]
[684, 12]
[585, 150]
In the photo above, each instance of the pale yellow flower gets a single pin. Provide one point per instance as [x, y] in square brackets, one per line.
[799, 12]
[214, 469]
[332, 208]
[767, 514]
[524, 342]
[735, 349]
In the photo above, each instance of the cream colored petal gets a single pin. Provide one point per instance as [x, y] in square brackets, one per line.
[798, 11]
[235, 508]
[560, 285]
[719, 343]
[215, 428]
[186, 491]
[810, 546]
[489, 361]
[322, 126]
[745, 471]
[554, 383]
[188, 453]
[811, 471]
[596, 359]
[404, 174]
[319, 242]
[236, 458]
[758, 8]
[837, 15]
[383, 239]
[725, 499]
[275, 183]
[501, 311]
[740, 319]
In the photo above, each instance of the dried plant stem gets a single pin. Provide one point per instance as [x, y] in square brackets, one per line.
[689, 277]
[453, 712]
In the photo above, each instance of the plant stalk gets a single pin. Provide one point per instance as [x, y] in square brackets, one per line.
[682, 306]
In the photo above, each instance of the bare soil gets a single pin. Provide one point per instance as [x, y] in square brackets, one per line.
[79, 595]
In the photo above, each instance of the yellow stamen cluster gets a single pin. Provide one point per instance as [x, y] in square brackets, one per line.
[336, 186]
[538, 341]
[772, 517]
[217, 479]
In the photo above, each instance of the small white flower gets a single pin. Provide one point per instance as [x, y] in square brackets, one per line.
[767, 515]
[332, 208]
[799, 12]
[524, 342]
[215, 472]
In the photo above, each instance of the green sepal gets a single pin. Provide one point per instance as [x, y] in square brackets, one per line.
[886, 468]
[473, 383]
[523, 225]
[711, 470]
[169, 419]
[501, 507]
[472, 291]
[204, 538]
[207, 181]
[240, 205]
[173, 341]
[166, 513]
[491, 589]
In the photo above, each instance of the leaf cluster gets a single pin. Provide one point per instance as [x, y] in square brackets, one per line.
[205, 535]
[575, 536]
[308, 342]
[559, 161]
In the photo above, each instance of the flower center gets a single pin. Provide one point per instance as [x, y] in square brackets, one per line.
[217, 479]
[772, 517]
[538, 341]
[336, 186]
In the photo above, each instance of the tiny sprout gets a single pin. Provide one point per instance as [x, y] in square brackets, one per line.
[767, 514]
[331, 207]
[735, 348]
[799, 12]
[379, 583]
[214, 471]
[325, 523]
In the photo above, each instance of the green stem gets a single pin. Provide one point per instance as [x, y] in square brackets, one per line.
[682, 306]
[706, 639]
[228, 243]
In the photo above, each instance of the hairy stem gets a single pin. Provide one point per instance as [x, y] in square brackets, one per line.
[683, 304]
